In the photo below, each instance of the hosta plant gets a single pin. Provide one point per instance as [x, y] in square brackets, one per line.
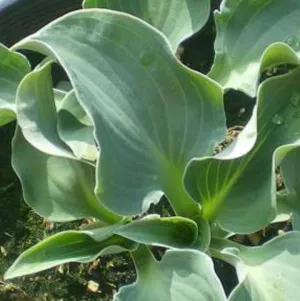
[133, 125]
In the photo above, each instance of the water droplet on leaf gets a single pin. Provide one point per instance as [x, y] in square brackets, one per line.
[147, 59]
[155, 178]
[295, 100]
[277, 119]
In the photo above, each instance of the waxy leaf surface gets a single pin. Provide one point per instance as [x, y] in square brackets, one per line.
[75, 128]
[181, 275]
[64, 247]
[36, 113]
[151, 114]
[237, 187]
[177, 19]
[13, 67]
[245, 29]
[266, 273]
[57, 188]
[289, 198]
[176, 232]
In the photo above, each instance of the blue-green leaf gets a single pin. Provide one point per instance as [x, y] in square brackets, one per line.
[237, 188]
[147, 130]
[289, 198]
[245, 29]
[177, 19]
[265, 273]
[176, 232]
[13, 67]
[36, 113]
[68, 246]
[57, 188]
[76, 129]
[181, 275]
